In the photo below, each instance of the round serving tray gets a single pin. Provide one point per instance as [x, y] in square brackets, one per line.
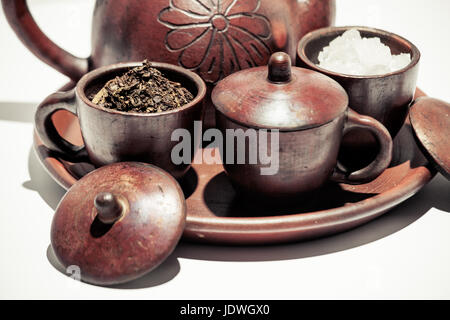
[217, 214]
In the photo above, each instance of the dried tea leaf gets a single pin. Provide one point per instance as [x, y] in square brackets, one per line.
[142, 89]
[100, 96]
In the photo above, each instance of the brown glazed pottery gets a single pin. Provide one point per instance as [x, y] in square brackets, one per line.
[384, 97]
[311, 112]
[113, 136]
[212, 37]
[118, 222]
[430, 119]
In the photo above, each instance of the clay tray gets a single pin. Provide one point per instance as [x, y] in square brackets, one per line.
[217, 214]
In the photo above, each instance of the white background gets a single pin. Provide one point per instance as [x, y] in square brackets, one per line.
[405, 254]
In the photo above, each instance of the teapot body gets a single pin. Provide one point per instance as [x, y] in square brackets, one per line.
[212, 37]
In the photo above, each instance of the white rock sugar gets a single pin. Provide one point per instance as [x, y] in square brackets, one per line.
[352, 54]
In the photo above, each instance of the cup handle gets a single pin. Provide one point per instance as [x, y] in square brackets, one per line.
[23, 24]
[380, 163]
[47, 131]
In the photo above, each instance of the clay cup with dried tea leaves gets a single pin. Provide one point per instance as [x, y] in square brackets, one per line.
[127, 112]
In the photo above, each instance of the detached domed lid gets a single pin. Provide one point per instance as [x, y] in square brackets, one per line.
[119, 222]
[279, 96]
[430, 120]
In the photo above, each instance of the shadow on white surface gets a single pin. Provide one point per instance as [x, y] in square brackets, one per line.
[434, 195]
[162, 274]
[41, 182]
[17, 111]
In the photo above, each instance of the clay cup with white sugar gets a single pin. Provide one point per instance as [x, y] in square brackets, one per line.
[377, 68]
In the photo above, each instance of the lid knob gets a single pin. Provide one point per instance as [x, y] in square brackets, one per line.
[279, 67]
[108, 206]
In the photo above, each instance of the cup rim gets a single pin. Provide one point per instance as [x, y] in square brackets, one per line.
[90, 76]
[415, 53]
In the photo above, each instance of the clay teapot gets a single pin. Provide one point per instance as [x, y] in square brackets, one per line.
[212, 37]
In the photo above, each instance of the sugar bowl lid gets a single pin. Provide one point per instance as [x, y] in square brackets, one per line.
[119, 222]
[430, 120]
[279, 96]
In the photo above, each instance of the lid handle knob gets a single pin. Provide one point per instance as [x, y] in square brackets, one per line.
[279, 67]
[108, 206]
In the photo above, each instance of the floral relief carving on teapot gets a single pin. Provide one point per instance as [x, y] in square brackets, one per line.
[211, 37]
[217, 37]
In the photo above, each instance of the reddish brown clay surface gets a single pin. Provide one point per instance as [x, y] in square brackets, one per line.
[150, 223]
[215, 213]
[305, 99]
[430, 119]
